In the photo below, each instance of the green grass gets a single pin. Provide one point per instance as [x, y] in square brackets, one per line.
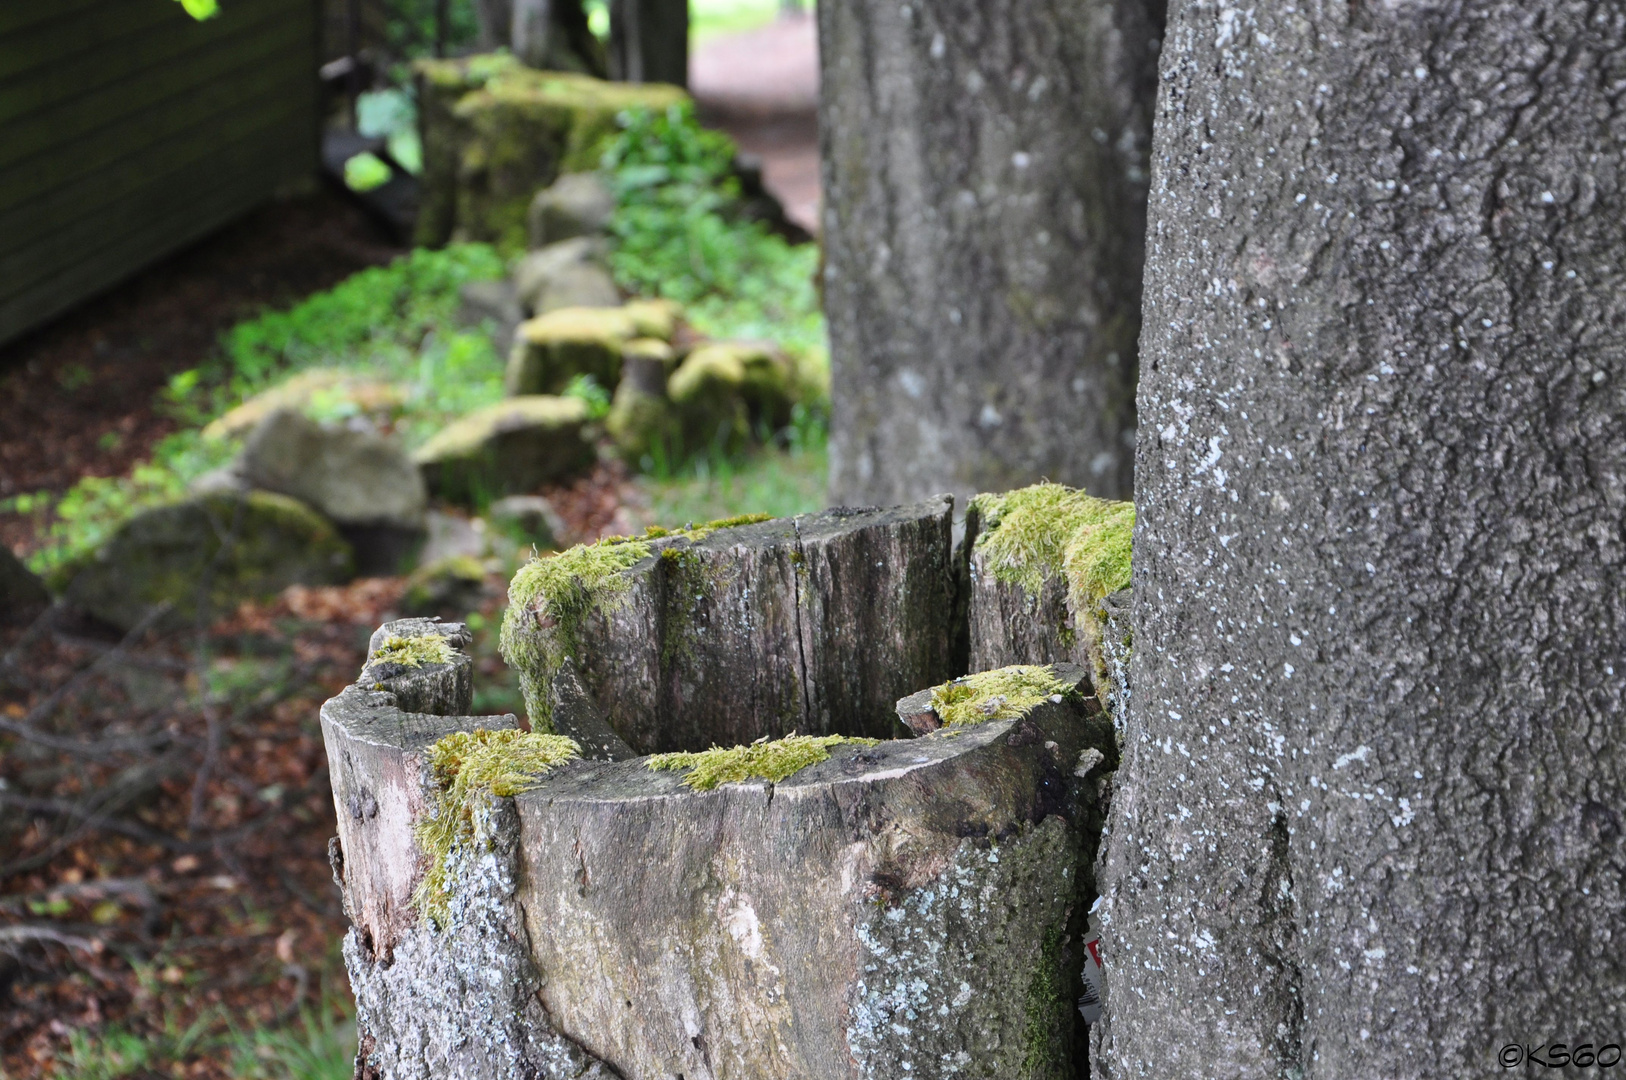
[777, 481]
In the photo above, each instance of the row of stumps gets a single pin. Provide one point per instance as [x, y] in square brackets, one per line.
[738, 853]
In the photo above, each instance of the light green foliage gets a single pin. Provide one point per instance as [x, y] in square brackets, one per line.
[395, 322]
[201, 9]
[1045, 530]
[783, 482]
[770, 761]
[463, 765]
[558, 591]
[413, 652]
[679, 234]
[365, 171]
[1003, 694]
[587, 390]
[392, 114]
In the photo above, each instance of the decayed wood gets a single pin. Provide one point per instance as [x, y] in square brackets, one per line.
[814, 624]
[906, 909]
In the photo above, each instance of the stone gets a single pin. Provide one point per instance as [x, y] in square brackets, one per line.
[493, 303]
[496, 132]
[570, 273]
[351, 475]
[643, 424]
[512, 447]
[726, 391]
[554, 348]
[356, 478]
[913, 907]
[449, 585]
[323, 391]
[732, 632]
[452, 535]
[529, 520]
[220, 550]
[576, 204]
[23, 594]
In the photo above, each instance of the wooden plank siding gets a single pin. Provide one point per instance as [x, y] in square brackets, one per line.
[127, 130]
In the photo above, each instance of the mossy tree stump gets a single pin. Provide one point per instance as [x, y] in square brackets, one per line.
[911, 907]
[813, 624]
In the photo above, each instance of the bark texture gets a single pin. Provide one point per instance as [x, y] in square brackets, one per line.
[649, 41]
[1369, 822]
[985, 191]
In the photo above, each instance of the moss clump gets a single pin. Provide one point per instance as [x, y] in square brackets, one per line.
[463, 764]
[1046, 530]
[771, 761]
[413, 652]
[558, 591]
[1003, 694]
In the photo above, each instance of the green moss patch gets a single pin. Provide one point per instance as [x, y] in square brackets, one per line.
[698, 533]
[1003, 694]
[413, 652]
[463, 765]
[1047, 530]
[770, 761]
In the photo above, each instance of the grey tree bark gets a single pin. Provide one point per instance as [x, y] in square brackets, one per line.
[985, 188]
[649, 41]
[1369, 819]
[554, 34]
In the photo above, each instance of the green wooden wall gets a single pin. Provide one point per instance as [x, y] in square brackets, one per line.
[128, 130]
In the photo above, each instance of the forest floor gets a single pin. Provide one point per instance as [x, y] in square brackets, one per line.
[166, 908]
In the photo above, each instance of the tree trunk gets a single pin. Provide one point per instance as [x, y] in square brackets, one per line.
[985, 188]
[553, 34]
[1369, 821]
[495, 19]
[649, 41]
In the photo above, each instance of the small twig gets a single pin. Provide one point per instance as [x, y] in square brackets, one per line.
[26, 932]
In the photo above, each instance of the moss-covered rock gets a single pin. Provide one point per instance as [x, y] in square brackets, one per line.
[511, 447]
[322, 393]
[726, 390]
[554, 348]
[446, 586]
[657, 319]
[642, 424]
[497, 132]
[571, 273]
[220, 550]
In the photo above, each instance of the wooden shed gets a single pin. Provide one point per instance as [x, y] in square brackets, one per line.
[128, 130]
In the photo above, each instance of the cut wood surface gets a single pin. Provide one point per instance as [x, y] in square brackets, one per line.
[907, 908]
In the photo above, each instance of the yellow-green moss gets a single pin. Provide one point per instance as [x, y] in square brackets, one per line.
[560, 590]
[1002, 694]
[413, 651]
[1046, 530]
[771, 761]
[463, 765]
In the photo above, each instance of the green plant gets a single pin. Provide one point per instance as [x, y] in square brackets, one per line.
[201, 9]
[680, 233]
[321, 1046]
[587, 389]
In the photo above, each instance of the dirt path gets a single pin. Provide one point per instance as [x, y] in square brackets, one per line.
[762, 87]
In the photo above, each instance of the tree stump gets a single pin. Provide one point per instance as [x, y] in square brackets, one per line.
[814, 624]
[911, 907]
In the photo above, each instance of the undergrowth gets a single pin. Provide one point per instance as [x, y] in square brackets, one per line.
[762, 760]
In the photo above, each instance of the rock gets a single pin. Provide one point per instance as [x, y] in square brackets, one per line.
[496, 302]
[907, 908]
[576, 204]
[813, 624]
[643, 424]
[530, 520]
[514, 446]
[331, 394]
[496, 132]
[451, 585]
[359, 480]
[570, 273]
[554, 348]
[727, 390]
[450, 536]
[22, 594]
[223, 549]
